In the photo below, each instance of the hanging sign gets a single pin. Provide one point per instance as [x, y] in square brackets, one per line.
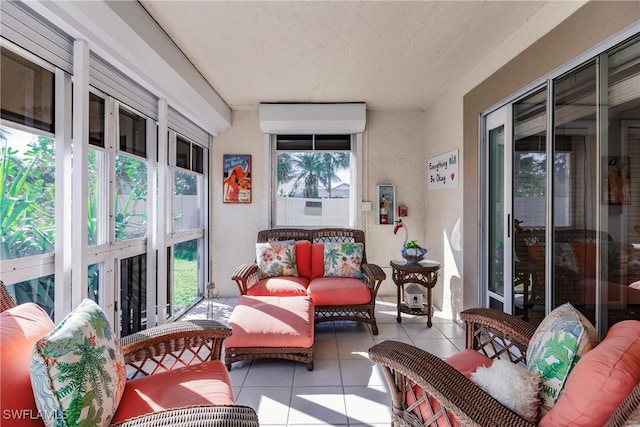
[442, 171]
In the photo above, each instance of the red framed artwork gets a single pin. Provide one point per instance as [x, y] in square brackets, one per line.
[236, 184]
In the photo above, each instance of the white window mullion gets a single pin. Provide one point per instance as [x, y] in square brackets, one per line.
[79, 280]
[153, 214]
[63, 251]
[356, 181]
[163, 202]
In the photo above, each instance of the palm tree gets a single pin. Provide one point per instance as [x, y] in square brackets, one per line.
[333, 162]
[308, 168]
[284, 170]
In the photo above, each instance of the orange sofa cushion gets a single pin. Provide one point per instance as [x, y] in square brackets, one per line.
[601, 380]
[338, 291]
[20, 328]
[317, 260]
[271, 322]
[303, 258]
[280, 286]
[585, 255]
[201, 384]
[466, 362]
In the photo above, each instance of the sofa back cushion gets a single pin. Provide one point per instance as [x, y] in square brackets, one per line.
[558, 343]
[601, 380]
[303, 258]
[20, 328]
[77, 370]
[317, 260]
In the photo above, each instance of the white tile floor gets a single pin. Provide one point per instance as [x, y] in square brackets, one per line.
[344, 388]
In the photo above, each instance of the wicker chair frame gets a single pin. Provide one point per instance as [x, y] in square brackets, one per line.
[497, 335]
[296, 354]
[172, 346]
[6, 300]
[247, 275]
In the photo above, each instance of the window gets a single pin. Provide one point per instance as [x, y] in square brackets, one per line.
[313, 180]
[27, 92]
[127, 189]
[188, 180]
[131, 178]
[186, 252]
[27, 180]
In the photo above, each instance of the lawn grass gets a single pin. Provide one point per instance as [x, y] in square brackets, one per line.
[185, 283]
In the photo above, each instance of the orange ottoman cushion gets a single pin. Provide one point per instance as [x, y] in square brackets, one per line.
[338, 291]
[280, 286]
[601, 379]
[20, 328]
[271, 322]
[205, 383]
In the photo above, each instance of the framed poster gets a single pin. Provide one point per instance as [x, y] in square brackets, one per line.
[236, 185]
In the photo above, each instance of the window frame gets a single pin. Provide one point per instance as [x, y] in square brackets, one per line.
[355, 196]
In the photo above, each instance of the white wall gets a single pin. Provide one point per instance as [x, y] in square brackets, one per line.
[393, 154]
[233, 227]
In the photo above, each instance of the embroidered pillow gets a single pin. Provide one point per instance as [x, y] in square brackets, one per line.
[343, 259]
[276, 258]
[560, 340]
[78, 371]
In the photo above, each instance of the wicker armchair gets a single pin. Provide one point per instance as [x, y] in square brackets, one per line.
[172, 346]
[490, 332]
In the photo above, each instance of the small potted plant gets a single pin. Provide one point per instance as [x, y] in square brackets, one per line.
[412, 252]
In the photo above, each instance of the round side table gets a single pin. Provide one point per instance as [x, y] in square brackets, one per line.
[425, 274]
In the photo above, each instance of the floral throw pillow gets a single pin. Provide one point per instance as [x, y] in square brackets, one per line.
[560, 340]
[78, 371]
[343, 259]
[276, 258]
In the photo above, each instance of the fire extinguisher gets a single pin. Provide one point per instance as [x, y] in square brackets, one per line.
[384, 215]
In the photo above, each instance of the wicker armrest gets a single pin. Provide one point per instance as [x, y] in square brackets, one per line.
[212, 416]
[373, 277]
[373, 272]
[406, 366]
[496, 333]
[174, 344]
[245, 276]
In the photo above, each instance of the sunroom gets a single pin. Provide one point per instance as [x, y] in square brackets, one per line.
[166, 102]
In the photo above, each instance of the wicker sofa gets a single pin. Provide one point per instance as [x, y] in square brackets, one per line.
[334, 298]
[602, 389]
[167, 358]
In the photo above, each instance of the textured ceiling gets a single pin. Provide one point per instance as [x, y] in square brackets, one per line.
[392, 55]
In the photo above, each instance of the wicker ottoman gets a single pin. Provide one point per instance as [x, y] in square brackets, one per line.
[275, 327]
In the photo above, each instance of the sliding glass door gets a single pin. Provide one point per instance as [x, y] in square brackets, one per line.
[561, 216]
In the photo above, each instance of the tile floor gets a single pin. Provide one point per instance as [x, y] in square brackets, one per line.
[345, 388]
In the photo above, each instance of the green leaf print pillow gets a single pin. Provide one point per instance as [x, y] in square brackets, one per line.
[560, 340]
[343, 259]
[78, 371]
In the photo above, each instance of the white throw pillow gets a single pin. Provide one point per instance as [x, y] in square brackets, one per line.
[514, 386]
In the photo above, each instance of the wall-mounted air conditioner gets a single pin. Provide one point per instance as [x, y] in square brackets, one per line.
[339, 118]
